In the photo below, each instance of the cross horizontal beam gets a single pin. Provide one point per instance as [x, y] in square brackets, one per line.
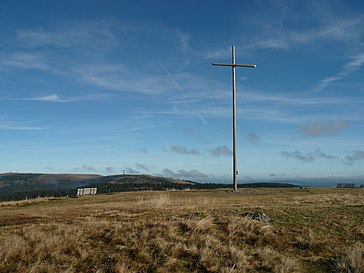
[236, 65]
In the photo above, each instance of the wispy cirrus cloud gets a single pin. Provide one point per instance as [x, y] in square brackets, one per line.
[51, 98]
[120, 78]
[354, 64]
[285, 39]
[61, 99]
[27, 60]
[87, 42]
[257, 96]
[7, 123]
[95, 35]
[334, 22]
[330, 23]
[19, 127]
[269, 29]
[184, 39]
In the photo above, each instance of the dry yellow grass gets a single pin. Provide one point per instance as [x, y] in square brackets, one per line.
[312, 230]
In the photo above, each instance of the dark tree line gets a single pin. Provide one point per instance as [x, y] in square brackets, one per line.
[23, 195]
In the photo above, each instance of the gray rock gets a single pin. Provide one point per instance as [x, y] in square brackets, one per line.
[257, 215]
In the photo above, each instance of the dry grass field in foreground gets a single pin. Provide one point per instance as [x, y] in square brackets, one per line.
[311, 230]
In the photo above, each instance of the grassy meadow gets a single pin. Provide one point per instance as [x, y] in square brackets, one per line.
[311, 230]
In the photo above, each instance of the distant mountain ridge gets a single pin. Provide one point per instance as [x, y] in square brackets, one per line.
[14, 186]
[10, 182]
[17, 186]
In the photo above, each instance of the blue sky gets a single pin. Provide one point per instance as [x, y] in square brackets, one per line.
[106, 86]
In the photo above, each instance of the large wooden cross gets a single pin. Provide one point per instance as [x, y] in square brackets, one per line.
[234, 65]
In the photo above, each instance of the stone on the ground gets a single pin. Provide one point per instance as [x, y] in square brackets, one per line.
[257, 215]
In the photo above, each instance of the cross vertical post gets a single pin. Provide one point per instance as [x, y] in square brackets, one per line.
[234, 65]
[235, 163]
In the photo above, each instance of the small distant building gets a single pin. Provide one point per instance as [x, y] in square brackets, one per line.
[346, 186]
[86, 191]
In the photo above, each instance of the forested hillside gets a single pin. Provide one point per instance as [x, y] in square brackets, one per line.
[19, 186]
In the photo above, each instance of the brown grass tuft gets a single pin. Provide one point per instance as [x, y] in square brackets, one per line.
[186, 232]
[352, 261]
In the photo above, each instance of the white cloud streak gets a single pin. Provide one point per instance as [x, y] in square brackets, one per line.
[84, 41]
[54, 98]
[71, 34]
[10, 124]
[330, 23]
[19, 127]
[256, 96]
[354, 64]
[118, 78]
[27, 60]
